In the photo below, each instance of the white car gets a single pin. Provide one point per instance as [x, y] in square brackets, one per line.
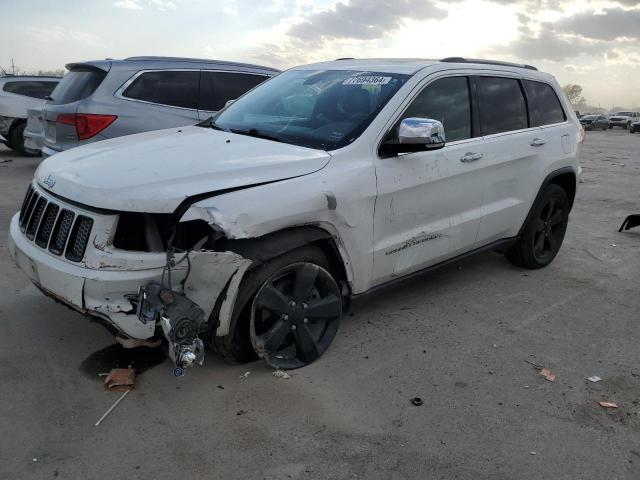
[623, 119]
[255, 229]
[17, 95]
[34, 131]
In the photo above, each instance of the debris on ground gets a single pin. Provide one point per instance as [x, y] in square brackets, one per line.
[7, 160]
[608, 404]
[245, 375]
[594, 379]
[417, 401]
[241, 412]
[546, 373]
[120, 379]
[630, 222]
[280, 374]
[115, 404]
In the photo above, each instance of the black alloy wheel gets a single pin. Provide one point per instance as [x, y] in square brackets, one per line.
[295, 315]
[544, 231]
[550, 228]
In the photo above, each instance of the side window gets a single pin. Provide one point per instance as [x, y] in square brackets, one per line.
[173, 88]
[446, 100]
[217, 88]
[501, 104]
[35, 89]
[544, 106]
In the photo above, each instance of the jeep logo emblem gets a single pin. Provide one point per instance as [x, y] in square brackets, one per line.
[49, 181]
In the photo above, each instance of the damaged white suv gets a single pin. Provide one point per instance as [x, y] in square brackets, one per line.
[254, 229]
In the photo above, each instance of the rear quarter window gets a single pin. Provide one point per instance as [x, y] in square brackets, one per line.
[544, 106]
[171, 88]
[34, 89]
[217, 88]
[78, 84]
[501, 104]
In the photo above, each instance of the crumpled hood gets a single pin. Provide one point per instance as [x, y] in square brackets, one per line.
[155, 171]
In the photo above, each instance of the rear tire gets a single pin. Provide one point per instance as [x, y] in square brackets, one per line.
[16, 137]
[543, 234]
[237, 346]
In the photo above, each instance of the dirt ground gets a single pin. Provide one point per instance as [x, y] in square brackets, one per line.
[458, 339]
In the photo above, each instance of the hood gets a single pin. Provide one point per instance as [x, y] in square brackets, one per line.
[155, 171]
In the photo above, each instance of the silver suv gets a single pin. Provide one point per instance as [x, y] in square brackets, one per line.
[110, 98]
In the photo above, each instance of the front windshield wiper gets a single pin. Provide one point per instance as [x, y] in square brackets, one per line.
[252, 132]
[210, 123]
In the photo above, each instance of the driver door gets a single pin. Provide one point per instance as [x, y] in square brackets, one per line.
[429, 203]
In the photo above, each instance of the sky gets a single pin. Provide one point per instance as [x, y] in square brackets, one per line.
[595, 44]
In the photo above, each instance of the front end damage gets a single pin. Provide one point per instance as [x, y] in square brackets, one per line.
[143, 288]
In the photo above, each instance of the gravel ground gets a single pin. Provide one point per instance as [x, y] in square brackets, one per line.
[458, 339]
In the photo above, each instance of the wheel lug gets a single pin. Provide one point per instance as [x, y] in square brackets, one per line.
[304, 306]
[293, 327]
[284, 316]
[305, 320]
[292, 303]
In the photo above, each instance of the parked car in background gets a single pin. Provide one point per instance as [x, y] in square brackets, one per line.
[634, 127]
[110, 98]
[34, 132]
[17, 95]
[594, 122]
[623, 119]
[253, 230]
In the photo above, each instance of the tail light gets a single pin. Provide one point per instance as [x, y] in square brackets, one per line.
[87, 124]
[581, 134]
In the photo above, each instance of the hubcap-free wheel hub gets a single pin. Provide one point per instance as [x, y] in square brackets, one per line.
[549, 231]
[295, 315]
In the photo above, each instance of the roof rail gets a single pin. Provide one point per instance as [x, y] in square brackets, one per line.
[203, 60]
[344, 58]
[487, 62]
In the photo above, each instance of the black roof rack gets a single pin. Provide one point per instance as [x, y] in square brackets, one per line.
[344, 58]
[487, 62]
[203, 60]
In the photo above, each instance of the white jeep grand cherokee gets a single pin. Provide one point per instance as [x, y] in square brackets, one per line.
[254, 229]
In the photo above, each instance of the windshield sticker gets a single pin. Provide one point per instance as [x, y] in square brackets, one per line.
[367, 80]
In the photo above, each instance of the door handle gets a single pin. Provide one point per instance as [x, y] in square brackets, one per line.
[470, 157]
[537, 142]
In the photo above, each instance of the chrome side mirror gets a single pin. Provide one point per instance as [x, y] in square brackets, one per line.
[414, 135]
[424, 132]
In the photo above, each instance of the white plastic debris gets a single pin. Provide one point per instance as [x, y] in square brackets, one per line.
[594, 378]
[280, 374]
[245, 375]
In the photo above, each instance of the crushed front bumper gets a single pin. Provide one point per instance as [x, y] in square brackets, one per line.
[108, 293]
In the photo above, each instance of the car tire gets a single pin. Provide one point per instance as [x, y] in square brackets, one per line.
[237, 345]
[542, 236]
[16, 140]
[610, 127]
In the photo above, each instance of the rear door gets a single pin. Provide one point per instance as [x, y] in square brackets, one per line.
[78, 84]
[157, 99]
[217, 88]
[520, 121]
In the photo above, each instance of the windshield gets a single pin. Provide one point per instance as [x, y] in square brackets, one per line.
[624, 114]
[589, 117]
[322, 109]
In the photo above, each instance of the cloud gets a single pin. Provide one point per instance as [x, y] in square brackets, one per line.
[128, 4]
[364, 19]
[611, 24]
[163, 4]
[549, 45]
